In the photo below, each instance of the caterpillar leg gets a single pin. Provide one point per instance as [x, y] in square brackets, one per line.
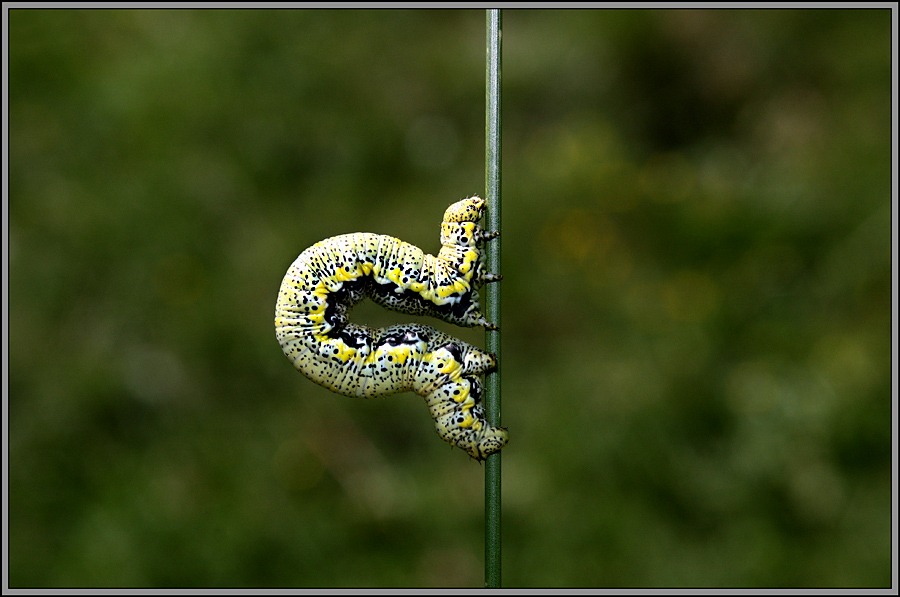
[484, 236]
[453, 395]
[483, 322]
[459, 418]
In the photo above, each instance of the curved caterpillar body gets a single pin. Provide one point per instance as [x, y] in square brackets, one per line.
[328, 278]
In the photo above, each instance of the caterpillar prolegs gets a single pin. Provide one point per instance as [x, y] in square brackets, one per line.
[328, 278]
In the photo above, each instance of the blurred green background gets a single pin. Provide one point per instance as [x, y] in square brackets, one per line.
[696, 298]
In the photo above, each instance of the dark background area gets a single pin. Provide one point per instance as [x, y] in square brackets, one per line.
[696, 299]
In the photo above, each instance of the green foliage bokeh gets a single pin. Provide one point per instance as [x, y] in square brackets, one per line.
[696, 297]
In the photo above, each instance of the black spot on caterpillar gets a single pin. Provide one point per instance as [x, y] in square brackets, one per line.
[330, 277]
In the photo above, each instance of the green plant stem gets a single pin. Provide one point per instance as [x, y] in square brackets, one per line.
[492, 381]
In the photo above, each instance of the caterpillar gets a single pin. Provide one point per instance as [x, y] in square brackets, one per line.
[330, 277]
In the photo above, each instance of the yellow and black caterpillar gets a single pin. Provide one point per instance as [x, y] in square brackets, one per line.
[328, 278]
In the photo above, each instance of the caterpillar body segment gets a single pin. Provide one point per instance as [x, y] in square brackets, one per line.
[330, 277]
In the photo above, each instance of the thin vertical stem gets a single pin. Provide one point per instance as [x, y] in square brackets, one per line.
[492, 381]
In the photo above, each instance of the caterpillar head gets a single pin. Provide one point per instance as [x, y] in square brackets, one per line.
[467, 210]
